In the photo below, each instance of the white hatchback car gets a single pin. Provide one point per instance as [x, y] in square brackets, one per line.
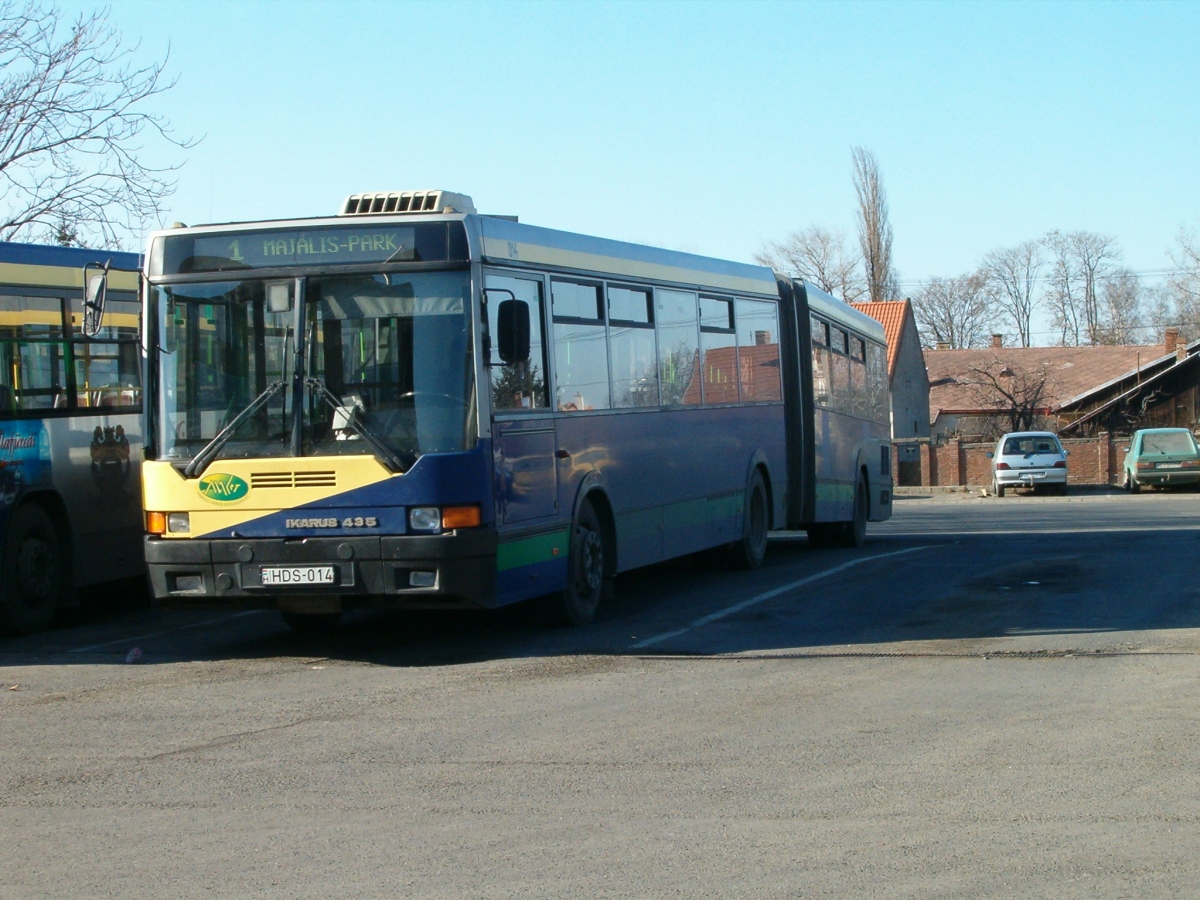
[1028, 459]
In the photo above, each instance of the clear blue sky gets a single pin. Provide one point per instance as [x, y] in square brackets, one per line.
[708, 127]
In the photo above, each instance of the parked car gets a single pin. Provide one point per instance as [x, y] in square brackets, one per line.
[1029, 459]
[1161, 457]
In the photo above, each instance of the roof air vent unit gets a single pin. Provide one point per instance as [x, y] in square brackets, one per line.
[399, 202]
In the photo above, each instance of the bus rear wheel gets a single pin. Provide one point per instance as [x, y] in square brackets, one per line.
[33, 571]
[854, 532]
[586, 565]
[748, 553]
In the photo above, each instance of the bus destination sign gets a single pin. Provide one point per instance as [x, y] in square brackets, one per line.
[337, 245]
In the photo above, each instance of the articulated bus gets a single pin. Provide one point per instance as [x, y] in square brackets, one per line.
[413, 405]
[70, 432]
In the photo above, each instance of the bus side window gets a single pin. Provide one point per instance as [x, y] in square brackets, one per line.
[32, 353]
[631, 339]
[820, 361]
[877, 382]
[580, 347]
[758, 350]
[718, 348]
[841, 370]
[521, 385]
[859, 399]
[678, 347]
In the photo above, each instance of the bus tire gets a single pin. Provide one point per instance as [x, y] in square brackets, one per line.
[748, 553]
[854, 532]
[312, 624]
[33, 571]
[586, 569]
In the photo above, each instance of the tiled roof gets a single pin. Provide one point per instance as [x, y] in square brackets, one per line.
[891, 315]
[1072, 371]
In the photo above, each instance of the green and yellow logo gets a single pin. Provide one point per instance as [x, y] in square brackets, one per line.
[223, 488]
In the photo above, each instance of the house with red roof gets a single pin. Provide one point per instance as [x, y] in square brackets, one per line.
[907, 379]
[1075, 391]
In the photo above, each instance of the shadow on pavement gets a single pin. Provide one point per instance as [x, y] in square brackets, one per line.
[971, 587]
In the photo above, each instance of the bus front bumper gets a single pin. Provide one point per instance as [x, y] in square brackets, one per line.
[445, 571]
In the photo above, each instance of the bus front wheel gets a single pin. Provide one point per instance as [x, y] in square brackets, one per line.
[33, 571]
[586, 564]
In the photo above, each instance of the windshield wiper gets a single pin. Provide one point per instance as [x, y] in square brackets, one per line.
[379, 447]
[208, 453]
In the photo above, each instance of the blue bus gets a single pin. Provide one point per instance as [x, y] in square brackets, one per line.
[412, 405]
[70, 432]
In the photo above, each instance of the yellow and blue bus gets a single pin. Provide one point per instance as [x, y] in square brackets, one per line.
[70, 432]
[412, 405]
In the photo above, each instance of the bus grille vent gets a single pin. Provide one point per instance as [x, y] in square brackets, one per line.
[292, 479]
[397, 202]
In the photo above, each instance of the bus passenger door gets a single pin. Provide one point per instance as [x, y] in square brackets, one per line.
[523, 443]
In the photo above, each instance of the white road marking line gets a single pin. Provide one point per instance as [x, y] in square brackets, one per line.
[142, 637]
[766, 595]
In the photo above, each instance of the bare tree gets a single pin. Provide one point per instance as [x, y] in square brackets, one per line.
[955, 311]
[1020, 396]
[74, 127]
[1123, 308]
[1012, 273]
[1078, 261]
[817, 255]
[1179, 300]
[874, 229]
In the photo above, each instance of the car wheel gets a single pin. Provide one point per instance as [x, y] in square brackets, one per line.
[997, 488]
[1131, 483]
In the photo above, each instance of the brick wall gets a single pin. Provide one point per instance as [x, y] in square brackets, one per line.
[955, 464]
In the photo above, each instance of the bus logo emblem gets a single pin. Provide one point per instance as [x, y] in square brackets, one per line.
[223, 488]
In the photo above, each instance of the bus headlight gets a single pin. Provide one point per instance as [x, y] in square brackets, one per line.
[425, 518]
[179, 523]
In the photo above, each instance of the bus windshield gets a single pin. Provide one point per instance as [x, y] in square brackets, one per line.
[386, 359]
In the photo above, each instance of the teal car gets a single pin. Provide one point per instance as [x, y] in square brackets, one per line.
[1161, 457]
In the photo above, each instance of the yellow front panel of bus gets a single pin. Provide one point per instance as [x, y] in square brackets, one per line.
[234, 491]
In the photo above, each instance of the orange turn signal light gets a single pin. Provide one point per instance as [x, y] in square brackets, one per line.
[156, 523]
[459, 517]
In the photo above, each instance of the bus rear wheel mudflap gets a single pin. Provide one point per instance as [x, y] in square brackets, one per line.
[33, 571]
[587, 571]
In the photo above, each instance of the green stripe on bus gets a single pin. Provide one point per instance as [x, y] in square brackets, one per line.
[841, 491]
[537, 549]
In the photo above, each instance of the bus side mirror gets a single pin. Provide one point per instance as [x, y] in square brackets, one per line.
[512, 323]
[95, 291]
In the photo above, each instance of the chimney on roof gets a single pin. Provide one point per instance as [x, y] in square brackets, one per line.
[1171, 339]
[997, 341]
[943, 345]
